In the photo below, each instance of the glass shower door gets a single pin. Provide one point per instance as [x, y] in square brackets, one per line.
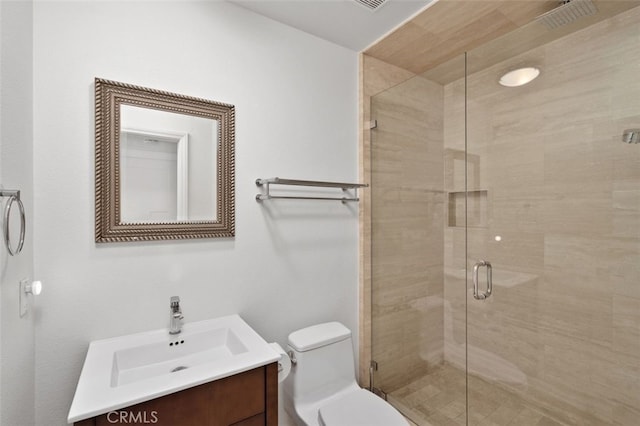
[553, 205]
[418, 308]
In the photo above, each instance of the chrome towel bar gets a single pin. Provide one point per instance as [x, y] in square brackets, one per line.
[14, 196]
[314, 183]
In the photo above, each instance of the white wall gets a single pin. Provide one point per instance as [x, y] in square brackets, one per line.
[16, 172]
[292, 264]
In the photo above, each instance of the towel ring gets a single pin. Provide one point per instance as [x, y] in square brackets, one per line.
[14, 196]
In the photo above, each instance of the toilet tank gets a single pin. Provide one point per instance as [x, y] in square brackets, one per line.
[324, 361]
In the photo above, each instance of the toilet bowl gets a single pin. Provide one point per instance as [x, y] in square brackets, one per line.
[321, 389]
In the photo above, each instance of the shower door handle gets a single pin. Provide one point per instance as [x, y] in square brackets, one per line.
[477, 294]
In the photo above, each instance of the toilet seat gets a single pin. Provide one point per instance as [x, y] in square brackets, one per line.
[359, 408]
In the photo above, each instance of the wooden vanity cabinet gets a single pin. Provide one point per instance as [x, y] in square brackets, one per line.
[245, 399]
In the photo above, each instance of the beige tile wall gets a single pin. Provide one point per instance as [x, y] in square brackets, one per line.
[563, 326]
[375, 77]
[407, 235]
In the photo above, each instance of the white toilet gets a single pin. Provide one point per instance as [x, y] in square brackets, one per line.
[321, 389]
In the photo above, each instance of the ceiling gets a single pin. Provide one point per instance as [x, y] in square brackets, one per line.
[344, 22]
[491, 31]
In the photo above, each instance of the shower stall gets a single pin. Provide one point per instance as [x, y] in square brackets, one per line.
[505, 231]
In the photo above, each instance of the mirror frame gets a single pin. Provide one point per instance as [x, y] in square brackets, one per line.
[109, 95]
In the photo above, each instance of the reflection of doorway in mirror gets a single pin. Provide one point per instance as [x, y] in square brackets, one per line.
[202, 158]
[153, 176]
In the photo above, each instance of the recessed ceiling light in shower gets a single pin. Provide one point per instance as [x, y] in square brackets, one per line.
[519, 77]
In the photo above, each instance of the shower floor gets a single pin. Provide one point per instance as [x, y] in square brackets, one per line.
[438, 399]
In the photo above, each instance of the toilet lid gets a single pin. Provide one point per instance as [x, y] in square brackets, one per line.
[360, 408]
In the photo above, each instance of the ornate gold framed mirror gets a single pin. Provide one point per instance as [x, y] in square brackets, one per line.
[164, 165]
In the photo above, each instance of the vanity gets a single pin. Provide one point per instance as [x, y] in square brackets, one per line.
[215, 372]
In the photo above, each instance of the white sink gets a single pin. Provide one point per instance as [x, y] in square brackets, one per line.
[127, 370]
[165, 357]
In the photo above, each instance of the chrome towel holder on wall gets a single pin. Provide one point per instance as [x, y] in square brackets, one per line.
[297, 182]
[14, 196]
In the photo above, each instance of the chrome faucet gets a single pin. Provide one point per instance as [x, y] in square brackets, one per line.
[175, 316]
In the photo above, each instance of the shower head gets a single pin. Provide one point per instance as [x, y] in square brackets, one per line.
[567, 12]
[631, 136]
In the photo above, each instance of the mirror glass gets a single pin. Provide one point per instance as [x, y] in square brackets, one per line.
[167, 166]
[164, 165]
